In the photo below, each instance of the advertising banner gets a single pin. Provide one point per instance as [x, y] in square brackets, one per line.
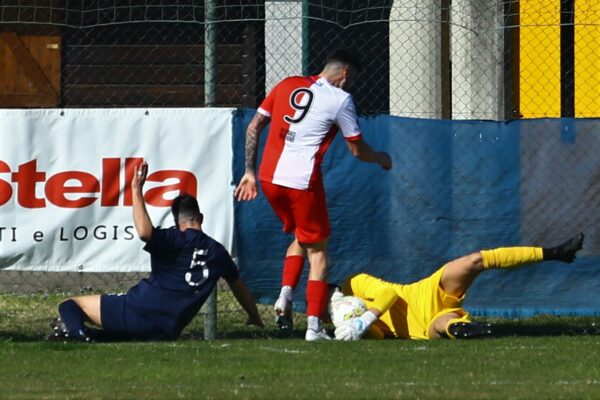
[65, 197]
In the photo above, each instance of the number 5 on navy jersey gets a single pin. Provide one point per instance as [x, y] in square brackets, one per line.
[194, 264]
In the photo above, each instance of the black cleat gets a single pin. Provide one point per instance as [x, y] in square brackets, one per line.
[65, 337]
[468, 330]
[57, 336]
[60, 333]
[284, 324]
[283, 316]
[567, 251]
[57, 325]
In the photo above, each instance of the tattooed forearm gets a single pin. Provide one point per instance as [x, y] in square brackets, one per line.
[256, 125]
[251, 146]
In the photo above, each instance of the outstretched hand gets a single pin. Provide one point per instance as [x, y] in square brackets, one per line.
[385, 161]
[255, 321]
[351, 330]
[247, 189]
[140, 172]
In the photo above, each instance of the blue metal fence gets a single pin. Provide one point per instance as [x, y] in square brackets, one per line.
[456, 187]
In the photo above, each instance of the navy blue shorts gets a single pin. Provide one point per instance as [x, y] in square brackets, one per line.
[121, 322]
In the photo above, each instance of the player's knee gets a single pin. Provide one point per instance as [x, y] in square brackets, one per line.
[315, 248]
[317, 254]
[475, 261]
[90, 305]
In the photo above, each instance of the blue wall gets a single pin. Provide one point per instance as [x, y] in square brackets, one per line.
[456, 187]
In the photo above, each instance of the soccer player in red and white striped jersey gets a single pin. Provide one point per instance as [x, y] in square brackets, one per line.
[305, 113]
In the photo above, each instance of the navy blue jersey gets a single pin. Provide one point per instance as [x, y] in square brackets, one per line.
[185, 268]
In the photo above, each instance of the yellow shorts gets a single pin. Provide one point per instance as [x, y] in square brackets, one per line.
[418, 305]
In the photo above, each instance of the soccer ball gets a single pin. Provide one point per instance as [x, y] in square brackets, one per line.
[345, 308]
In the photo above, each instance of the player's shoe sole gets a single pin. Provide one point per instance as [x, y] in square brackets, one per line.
[65, 337]
[284, 323]
[59, 331]
[61, 334]
[283, 316]
[313, 336]
[569, 249]
[469, 330]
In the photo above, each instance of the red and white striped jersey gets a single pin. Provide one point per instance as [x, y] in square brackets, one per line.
[305, 113]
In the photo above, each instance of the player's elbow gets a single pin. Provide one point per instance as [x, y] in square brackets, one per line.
[475, 262]
[145, 234]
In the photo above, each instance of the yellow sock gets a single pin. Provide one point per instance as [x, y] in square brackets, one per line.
[509, 257]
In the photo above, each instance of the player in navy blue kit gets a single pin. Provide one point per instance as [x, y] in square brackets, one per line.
[186, 265]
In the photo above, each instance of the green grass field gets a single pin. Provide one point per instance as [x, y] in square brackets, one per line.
[538, 358]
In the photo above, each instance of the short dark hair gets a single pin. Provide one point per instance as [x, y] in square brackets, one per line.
[345, 56]
[185, 206]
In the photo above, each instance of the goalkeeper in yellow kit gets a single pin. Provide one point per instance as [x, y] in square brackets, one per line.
[432, 307]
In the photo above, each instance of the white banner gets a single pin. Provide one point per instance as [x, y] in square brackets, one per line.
[65, 200]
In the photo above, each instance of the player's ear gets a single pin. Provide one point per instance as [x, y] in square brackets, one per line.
[201, 218]
[347, 77]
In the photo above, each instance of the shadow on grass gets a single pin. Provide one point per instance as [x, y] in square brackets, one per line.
[20, 337]
[533, 327]
[229, 334]
[503, 328]
[264, 334]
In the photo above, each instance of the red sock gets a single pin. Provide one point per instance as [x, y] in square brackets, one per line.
[316, 298]
[292, 269]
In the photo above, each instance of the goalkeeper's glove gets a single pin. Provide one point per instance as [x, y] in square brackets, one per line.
[355, 328]
[336, 296]
[350, 330]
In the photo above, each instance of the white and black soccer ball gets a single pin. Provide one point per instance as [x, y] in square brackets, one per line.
[345, 308]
